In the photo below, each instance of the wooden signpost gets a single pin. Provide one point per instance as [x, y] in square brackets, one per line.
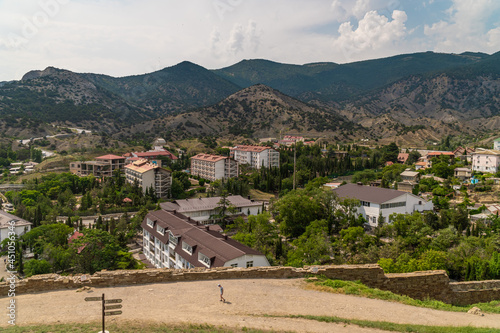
[107, 307]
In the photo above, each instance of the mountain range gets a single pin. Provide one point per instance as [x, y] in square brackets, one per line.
[410, 98]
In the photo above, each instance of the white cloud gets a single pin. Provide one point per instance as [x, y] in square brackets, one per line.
[374, 33]
[464, 27]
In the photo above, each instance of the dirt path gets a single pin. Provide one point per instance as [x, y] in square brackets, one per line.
[247, 301]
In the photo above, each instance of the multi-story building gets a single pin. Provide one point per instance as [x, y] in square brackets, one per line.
[256, 156]
[376, 202]
[149, 175]
[409, 179]
[486, 160]
[158, 157]
[12, 223]
[496, 144]
[172, 240]
[204, 209]
[103, 166]
[213, 167]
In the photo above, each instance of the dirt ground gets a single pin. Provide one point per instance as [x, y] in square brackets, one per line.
[247, 301]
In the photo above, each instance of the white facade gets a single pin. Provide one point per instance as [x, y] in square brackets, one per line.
[256, 156]
[213, 167]
[405, 204]
[148, 175]
[11, 223]
[172, 240]
[376, 202]
[496, 144]
[486, 161]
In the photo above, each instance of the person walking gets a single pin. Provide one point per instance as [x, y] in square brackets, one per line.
[222, 299]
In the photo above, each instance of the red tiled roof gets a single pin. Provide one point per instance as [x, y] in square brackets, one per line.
[208, 157]
[153, 154]
[251, 148]
[110, 157]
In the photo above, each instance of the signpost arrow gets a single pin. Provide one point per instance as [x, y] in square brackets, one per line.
[110, 301]
[111, 307]
[112, 313]
[90, 299]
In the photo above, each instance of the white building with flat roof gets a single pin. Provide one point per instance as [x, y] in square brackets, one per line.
[213, 167]
[256, 156]
[487, 160]
[149, 175]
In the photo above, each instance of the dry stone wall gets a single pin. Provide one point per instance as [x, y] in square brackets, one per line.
[420, 285]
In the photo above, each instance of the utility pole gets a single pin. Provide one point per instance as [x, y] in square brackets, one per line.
[294, 162]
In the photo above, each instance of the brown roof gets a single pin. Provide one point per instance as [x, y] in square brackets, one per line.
[251, 148]
[192, 205]
[205, 239]
[141, 166]
[5, 218]
[110, 157]
[153, 154]
[208, 157]
[373, 194]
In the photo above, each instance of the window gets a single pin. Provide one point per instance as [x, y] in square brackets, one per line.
[249, 263]
[150, 223]
[234, 265]
[172, 239]
[204, 259]
[393, 205]
[160, 230]
[186, 247]
[365, 203]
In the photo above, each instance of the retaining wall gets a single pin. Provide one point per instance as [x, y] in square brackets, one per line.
[420, 285]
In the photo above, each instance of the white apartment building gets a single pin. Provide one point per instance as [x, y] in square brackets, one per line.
[172, 240]
[486, 160]
[12, 223]
[203, 209]
[256, 156]
[149, 175]
[377, 201]
[213, 167]
[496, 144]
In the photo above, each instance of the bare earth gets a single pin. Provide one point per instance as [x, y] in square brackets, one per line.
[247, 300]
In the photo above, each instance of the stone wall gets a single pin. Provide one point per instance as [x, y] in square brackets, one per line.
[420, 285]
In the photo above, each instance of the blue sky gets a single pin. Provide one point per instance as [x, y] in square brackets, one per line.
[125, 37]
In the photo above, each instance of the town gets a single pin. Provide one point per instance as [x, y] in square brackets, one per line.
[288, 201]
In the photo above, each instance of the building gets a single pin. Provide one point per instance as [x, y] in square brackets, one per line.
[172, 240]
[463, 173]
[102, 166]
[496, 144]
[159, 156]
[409, 179]
[149, 175]
[403, 157]
[377, 201]
[213, 167]
[12, 223]
[486, 160]
[203, 209]
[256, 156]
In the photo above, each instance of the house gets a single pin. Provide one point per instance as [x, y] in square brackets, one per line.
[256, 156]
[203, 209]
[11, 223]
[496, 144]
[403, 157]
[148, 175]
[463, 173]
[213, 167]
[172, 240]
[421, 165]
[102, 166]
[409, 179]
[378, 202]
[486, 160]
[433, 154]
[159, 156]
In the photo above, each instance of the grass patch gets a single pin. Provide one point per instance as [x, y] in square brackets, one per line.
[393, 327]
[259, 195]
[359, 289]
[127, 327]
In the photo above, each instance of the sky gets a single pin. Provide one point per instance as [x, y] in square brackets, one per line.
[125, 37]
